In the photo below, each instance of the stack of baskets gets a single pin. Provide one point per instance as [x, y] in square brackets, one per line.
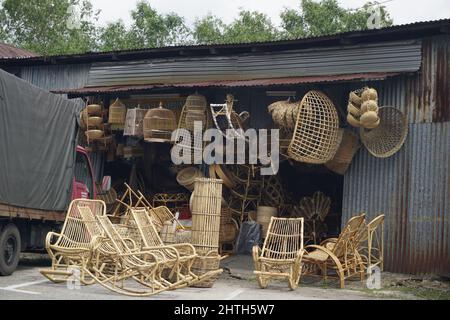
[117, 114]
[206, 209]
[159, 123]
[363, 108]
[93, 121]
[315, 135]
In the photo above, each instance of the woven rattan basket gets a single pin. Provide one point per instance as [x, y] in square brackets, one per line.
[159, 123]
[203, 264]
[316, 130]
[388, 138]
[206, 208]
[349, 145]
[187, 177]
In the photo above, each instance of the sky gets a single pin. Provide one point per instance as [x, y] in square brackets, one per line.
[402, 11]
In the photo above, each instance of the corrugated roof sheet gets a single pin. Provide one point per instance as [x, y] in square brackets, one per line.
[9, 52]
[229, 83]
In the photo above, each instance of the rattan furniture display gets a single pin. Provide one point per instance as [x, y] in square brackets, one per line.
[339, 254]
[348, 147]
[159, 123]
[316, 130]
[135, 273]
[281, 254]
[388, 138]
[72, 247]
[206, 208]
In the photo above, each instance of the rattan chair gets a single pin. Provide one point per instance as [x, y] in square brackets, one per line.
[179, 257]
[371, 244]
[282, 252]
[73, 246]
[339, 254]
[134, 273]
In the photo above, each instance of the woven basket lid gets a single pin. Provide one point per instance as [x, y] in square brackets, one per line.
[388, 138]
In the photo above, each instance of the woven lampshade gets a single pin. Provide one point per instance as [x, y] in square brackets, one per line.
[117, 113]
[316, 130]
[159, 123]
[385, 140]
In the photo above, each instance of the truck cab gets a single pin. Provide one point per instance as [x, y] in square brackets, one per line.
[24, 229]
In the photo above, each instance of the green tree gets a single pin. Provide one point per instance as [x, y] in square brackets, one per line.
[49, 26]
[326, 17]
[209, 29]
[114, 36]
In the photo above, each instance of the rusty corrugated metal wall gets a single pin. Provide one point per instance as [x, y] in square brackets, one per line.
[412, 188]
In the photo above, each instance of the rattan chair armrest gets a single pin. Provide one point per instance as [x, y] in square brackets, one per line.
[133, 246]
[332, 240]
[321, 248]
[48, 238]
[159, 248]
[256, 252]
[188, 246]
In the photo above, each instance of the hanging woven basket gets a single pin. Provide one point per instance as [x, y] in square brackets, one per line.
[388, 138]
[348, 147]
[316, 130]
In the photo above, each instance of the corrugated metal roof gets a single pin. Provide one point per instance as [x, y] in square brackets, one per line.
[398, 32]
[229, 83]
[392, 56]
[9, 52]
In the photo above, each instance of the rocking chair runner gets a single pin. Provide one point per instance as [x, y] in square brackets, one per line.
[282, 252]
[73, 246]
[340, 254]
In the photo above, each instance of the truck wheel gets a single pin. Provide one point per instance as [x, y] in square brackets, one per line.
[9, 249]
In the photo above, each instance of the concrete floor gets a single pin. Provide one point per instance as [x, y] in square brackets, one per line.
[236, 283]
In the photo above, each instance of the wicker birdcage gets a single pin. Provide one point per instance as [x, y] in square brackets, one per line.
[117, 113]
[195, 109]
[316, 130]
[388, 138]
[348, 147]
[159, 123]
[206, 207]
[134, 123]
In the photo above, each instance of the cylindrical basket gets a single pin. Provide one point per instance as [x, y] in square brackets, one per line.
[204, 264]
[263, 215]
[344, 155]
[206, 207]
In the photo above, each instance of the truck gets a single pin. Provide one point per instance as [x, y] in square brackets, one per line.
[41, 166]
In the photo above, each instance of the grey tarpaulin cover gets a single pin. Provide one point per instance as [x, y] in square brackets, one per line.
[37, 145]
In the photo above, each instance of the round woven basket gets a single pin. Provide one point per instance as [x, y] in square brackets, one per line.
[187, 176]
[348, 147]
[94, 110]
[385, 140]
[316, 130]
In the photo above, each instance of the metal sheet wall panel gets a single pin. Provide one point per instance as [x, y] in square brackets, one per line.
[412, 188]
[398, 56]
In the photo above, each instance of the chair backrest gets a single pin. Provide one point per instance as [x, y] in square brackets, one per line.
[284, 238]
[375, 223]
[348, 238]
[111, 233]
[149, 234]
[75, 229]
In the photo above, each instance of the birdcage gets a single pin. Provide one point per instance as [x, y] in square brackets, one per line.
[159, 123]
[195, 109]
[316, 130]
[117, 113]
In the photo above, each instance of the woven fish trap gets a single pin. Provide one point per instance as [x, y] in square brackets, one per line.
[117, 113]
[204, 264]
[206, 208]
[348, 146]
[388, 138]
[316, 130]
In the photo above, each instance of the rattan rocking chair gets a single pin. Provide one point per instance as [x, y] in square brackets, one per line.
[340, 254]
[73, 246]
[180, 256]
[133, 273]
[282, 252]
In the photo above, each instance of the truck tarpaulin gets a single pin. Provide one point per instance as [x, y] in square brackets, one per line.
[37, 145]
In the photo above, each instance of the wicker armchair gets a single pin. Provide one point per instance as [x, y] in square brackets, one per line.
[73, 246]
[282, 252]
[371, 244]
[180, 257]
[340, 254]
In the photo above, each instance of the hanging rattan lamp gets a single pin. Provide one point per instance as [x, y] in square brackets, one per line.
[316, 130]
[159, 123]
